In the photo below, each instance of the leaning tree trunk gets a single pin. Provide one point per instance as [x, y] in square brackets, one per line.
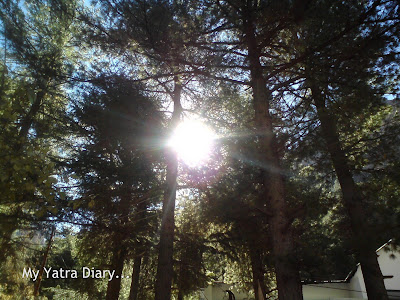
[353, 200]
[114, 286]
[165, 250]
[287, 274]
[27, 121]
[137, 262]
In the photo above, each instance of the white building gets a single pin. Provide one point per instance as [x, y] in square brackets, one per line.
[353, 286]
[217, 291]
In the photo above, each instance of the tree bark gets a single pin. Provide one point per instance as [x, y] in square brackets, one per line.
[287, 274]
[180, 295]
[165, 251]
[114, 285]
[133, 295]
[3, 77]
[258, 273]
[27, 121]
[353, 199]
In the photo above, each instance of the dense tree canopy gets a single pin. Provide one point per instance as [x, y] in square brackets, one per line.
[298, 178]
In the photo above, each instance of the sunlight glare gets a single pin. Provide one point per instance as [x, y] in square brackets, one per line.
[192, 140]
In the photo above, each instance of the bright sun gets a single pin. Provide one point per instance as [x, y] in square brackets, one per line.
[192, 140]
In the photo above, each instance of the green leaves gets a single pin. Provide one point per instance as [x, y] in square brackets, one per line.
[86, 146]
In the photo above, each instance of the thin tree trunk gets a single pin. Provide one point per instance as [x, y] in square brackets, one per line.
[165, 251]
[182, 274]
[137, 262]
[114, 285]
[3, 79]
[133, 295]
[27, 121]
[353, 200]
[180, 295]
[258, 273]
[287, 274]
[46, 254]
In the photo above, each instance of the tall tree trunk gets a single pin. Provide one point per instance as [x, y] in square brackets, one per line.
[133, 295]
[141, 222]
[258, 272]
[114, 285]
[287, 274]
[353, 199]
[137, 262]
[182, 274]
[165, 251]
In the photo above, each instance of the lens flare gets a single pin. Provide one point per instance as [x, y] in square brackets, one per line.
[193, 141]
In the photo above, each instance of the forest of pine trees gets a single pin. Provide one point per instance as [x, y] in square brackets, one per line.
[300, 181]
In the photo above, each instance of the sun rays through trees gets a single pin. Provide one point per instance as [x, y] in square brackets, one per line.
[162, 149]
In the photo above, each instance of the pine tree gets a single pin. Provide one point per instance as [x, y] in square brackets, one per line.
[158, 30]
[252, 28]
[116, 124]
[338, 75]
[36, 36]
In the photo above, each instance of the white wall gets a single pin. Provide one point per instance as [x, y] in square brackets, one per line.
[390, 266]
[389, 261]
[216, 291]
[357, 285]
[326, 291]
